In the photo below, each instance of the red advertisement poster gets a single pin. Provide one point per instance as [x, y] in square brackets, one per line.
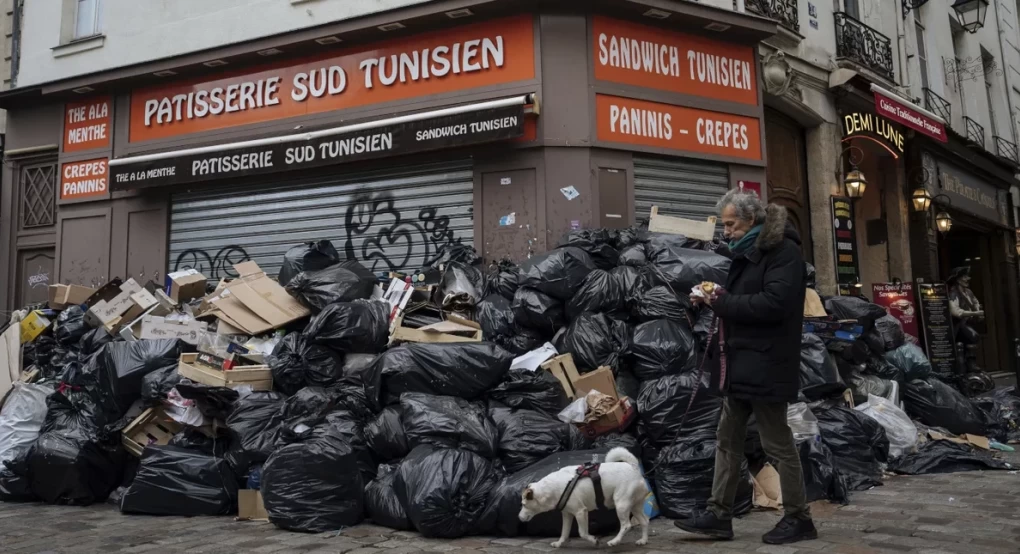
[898, 300]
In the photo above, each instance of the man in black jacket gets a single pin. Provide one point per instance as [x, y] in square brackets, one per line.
[761, 311]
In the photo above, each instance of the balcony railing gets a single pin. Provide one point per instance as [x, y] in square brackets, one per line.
[938, 105]
[975, 131]
[863, 45]
[787, 12]
[1006, 149]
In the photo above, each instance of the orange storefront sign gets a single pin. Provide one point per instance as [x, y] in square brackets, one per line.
[651, 124]
[87, 124]
[492, 53]
[638, 55]
[84, 179]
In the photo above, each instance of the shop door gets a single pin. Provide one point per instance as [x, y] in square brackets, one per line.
[509, 214]
[393, 220]
[680, 188]
[786, 174]
[35, 275]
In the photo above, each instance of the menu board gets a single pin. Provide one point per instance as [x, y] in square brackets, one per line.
[898, 301]
[937, 324]
[845, 240]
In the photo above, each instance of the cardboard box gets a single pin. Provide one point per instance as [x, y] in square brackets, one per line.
[104, 311]
[62, 296]
[157, 327]
[453, 330]
[256, 303]
[622, 415]
[575, 384]
[185, 285]
[258, 377]
[250, 506]
[33, 326]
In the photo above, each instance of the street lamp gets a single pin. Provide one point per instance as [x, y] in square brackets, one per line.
[921, 199]
[971, 13]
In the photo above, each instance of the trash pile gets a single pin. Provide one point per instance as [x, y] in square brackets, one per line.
[427, 401]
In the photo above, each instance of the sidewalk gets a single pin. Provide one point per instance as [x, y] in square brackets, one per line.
[969, 513]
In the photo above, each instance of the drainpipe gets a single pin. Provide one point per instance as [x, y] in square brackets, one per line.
[16, 42]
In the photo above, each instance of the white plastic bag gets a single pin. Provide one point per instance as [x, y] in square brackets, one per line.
[802, 422]
[901, 431]
[22, 418]
[575, 411]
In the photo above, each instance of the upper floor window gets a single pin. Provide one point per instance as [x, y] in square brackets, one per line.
[87, 18]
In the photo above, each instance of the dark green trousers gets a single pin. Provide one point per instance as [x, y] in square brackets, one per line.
[777, 440]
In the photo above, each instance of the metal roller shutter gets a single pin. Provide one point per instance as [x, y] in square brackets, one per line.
[680, 188]
[389, 220]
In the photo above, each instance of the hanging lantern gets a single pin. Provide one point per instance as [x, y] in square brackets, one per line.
[855, 183]
[921, 199]
[943, 222]
[971, 13]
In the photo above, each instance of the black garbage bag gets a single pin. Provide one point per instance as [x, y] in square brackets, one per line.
[558, 273]
[822, 478]
[683, 268]
[501, 513]
[70, 326]
[73, 462]
[945, 457]
[661, 303]
[810, 276]
[448, 422]
[911, 361]
[362, 326]
[254, 426]
[346, 281]
[310, 256]
[181, 482]
[344, 425]
[937, 404]
[15, 484]
[92, 342]
[618, 440]
[863, 385]
[297, 362]
[632, 281]
[634, 256]
[600, 292]
[464, 370]
[530, 390]
[495, 315]
[538, 311]
[307, 408]
[853, 307]
[213, 402]
[455, 252]
[627, 384]
[526, 437]
[858, 443]
[193, 439]
[595, 340]
[122, 366]
[819, 376]
[597, 243]
[381, 503]
[385, 435]
[891, 331]
[462, 281]
[521, 342]
[444, 491]
[306, 488]
[505, 280]
[159, 383]
[881, 367]
[683, 478]
[662, 403]
[1002, 408]
[662, 347]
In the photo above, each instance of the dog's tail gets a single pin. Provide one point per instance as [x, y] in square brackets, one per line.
[620, 454]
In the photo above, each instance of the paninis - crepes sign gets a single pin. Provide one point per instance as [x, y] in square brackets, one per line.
[485, 54]
[301, 153]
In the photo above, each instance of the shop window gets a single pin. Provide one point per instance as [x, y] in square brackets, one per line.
[86, 23]
[852, 8]
[38, 194]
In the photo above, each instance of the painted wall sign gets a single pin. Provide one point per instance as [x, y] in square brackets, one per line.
[84, 179]
[937, 325]
[898, 111]
[491, 53]
[643, 123]
[898, 301]
[872, 126]
[845, 240]
[380, 142]
[644, 56]
[970, 194]
[87, 125]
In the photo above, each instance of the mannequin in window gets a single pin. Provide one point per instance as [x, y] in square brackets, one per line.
[964, 307]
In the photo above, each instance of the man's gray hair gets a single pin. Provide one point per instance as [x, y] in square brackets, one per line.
[747, 205]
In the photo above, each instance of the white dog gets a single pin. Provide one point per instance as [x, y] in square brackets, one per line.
[623, 487]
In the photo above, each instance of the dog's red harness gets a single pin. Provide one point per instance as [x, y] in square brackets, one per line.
[590, 471]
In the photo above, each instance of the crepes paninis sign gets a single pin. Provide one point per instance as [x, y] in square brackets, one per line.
[301, 152]
[486, 54]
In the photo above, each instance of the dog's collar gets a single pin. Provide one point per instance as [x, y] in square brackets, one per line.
[590, 471]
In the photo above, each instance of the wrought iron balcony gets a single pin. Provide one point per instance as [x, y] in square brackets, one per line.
[1007, 150]
[938, 105]
[787, 12]
[975, 131]
[863, 45]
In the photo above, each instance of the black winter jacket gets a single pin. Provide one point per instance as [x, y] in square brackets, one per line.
[762, 314]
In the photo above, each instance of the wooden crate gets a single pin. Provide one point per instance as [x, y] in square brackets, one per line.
[690, 228]
[259, 377]
[152, 427]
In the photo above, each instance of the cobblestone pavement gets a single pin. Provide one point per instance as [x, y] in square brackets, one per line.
[969, 513]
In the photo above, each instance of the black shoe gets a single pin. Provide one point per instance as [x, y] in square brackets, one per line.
[706, 523]
[790, 530]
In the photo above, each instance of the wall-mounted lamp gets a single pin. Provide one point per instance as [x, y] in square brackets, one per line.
[921, 199]
[971, 13]
[854, 182]
[943, 221]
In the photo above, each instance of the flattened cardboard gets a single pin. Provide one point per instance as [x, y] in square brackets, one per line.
[250, 506]
[974, 440]
[256, 303]
[453, 330]
[62, 296]
[813, 306]
[10, 358]
[155, 328]
[691, 228]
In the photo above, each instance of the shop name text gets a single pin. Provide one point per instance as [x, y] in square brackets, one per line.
[661, 59]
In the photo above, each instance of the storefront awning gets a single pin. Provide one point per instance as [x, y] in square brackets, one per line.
[909, 114]
[464, 125]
